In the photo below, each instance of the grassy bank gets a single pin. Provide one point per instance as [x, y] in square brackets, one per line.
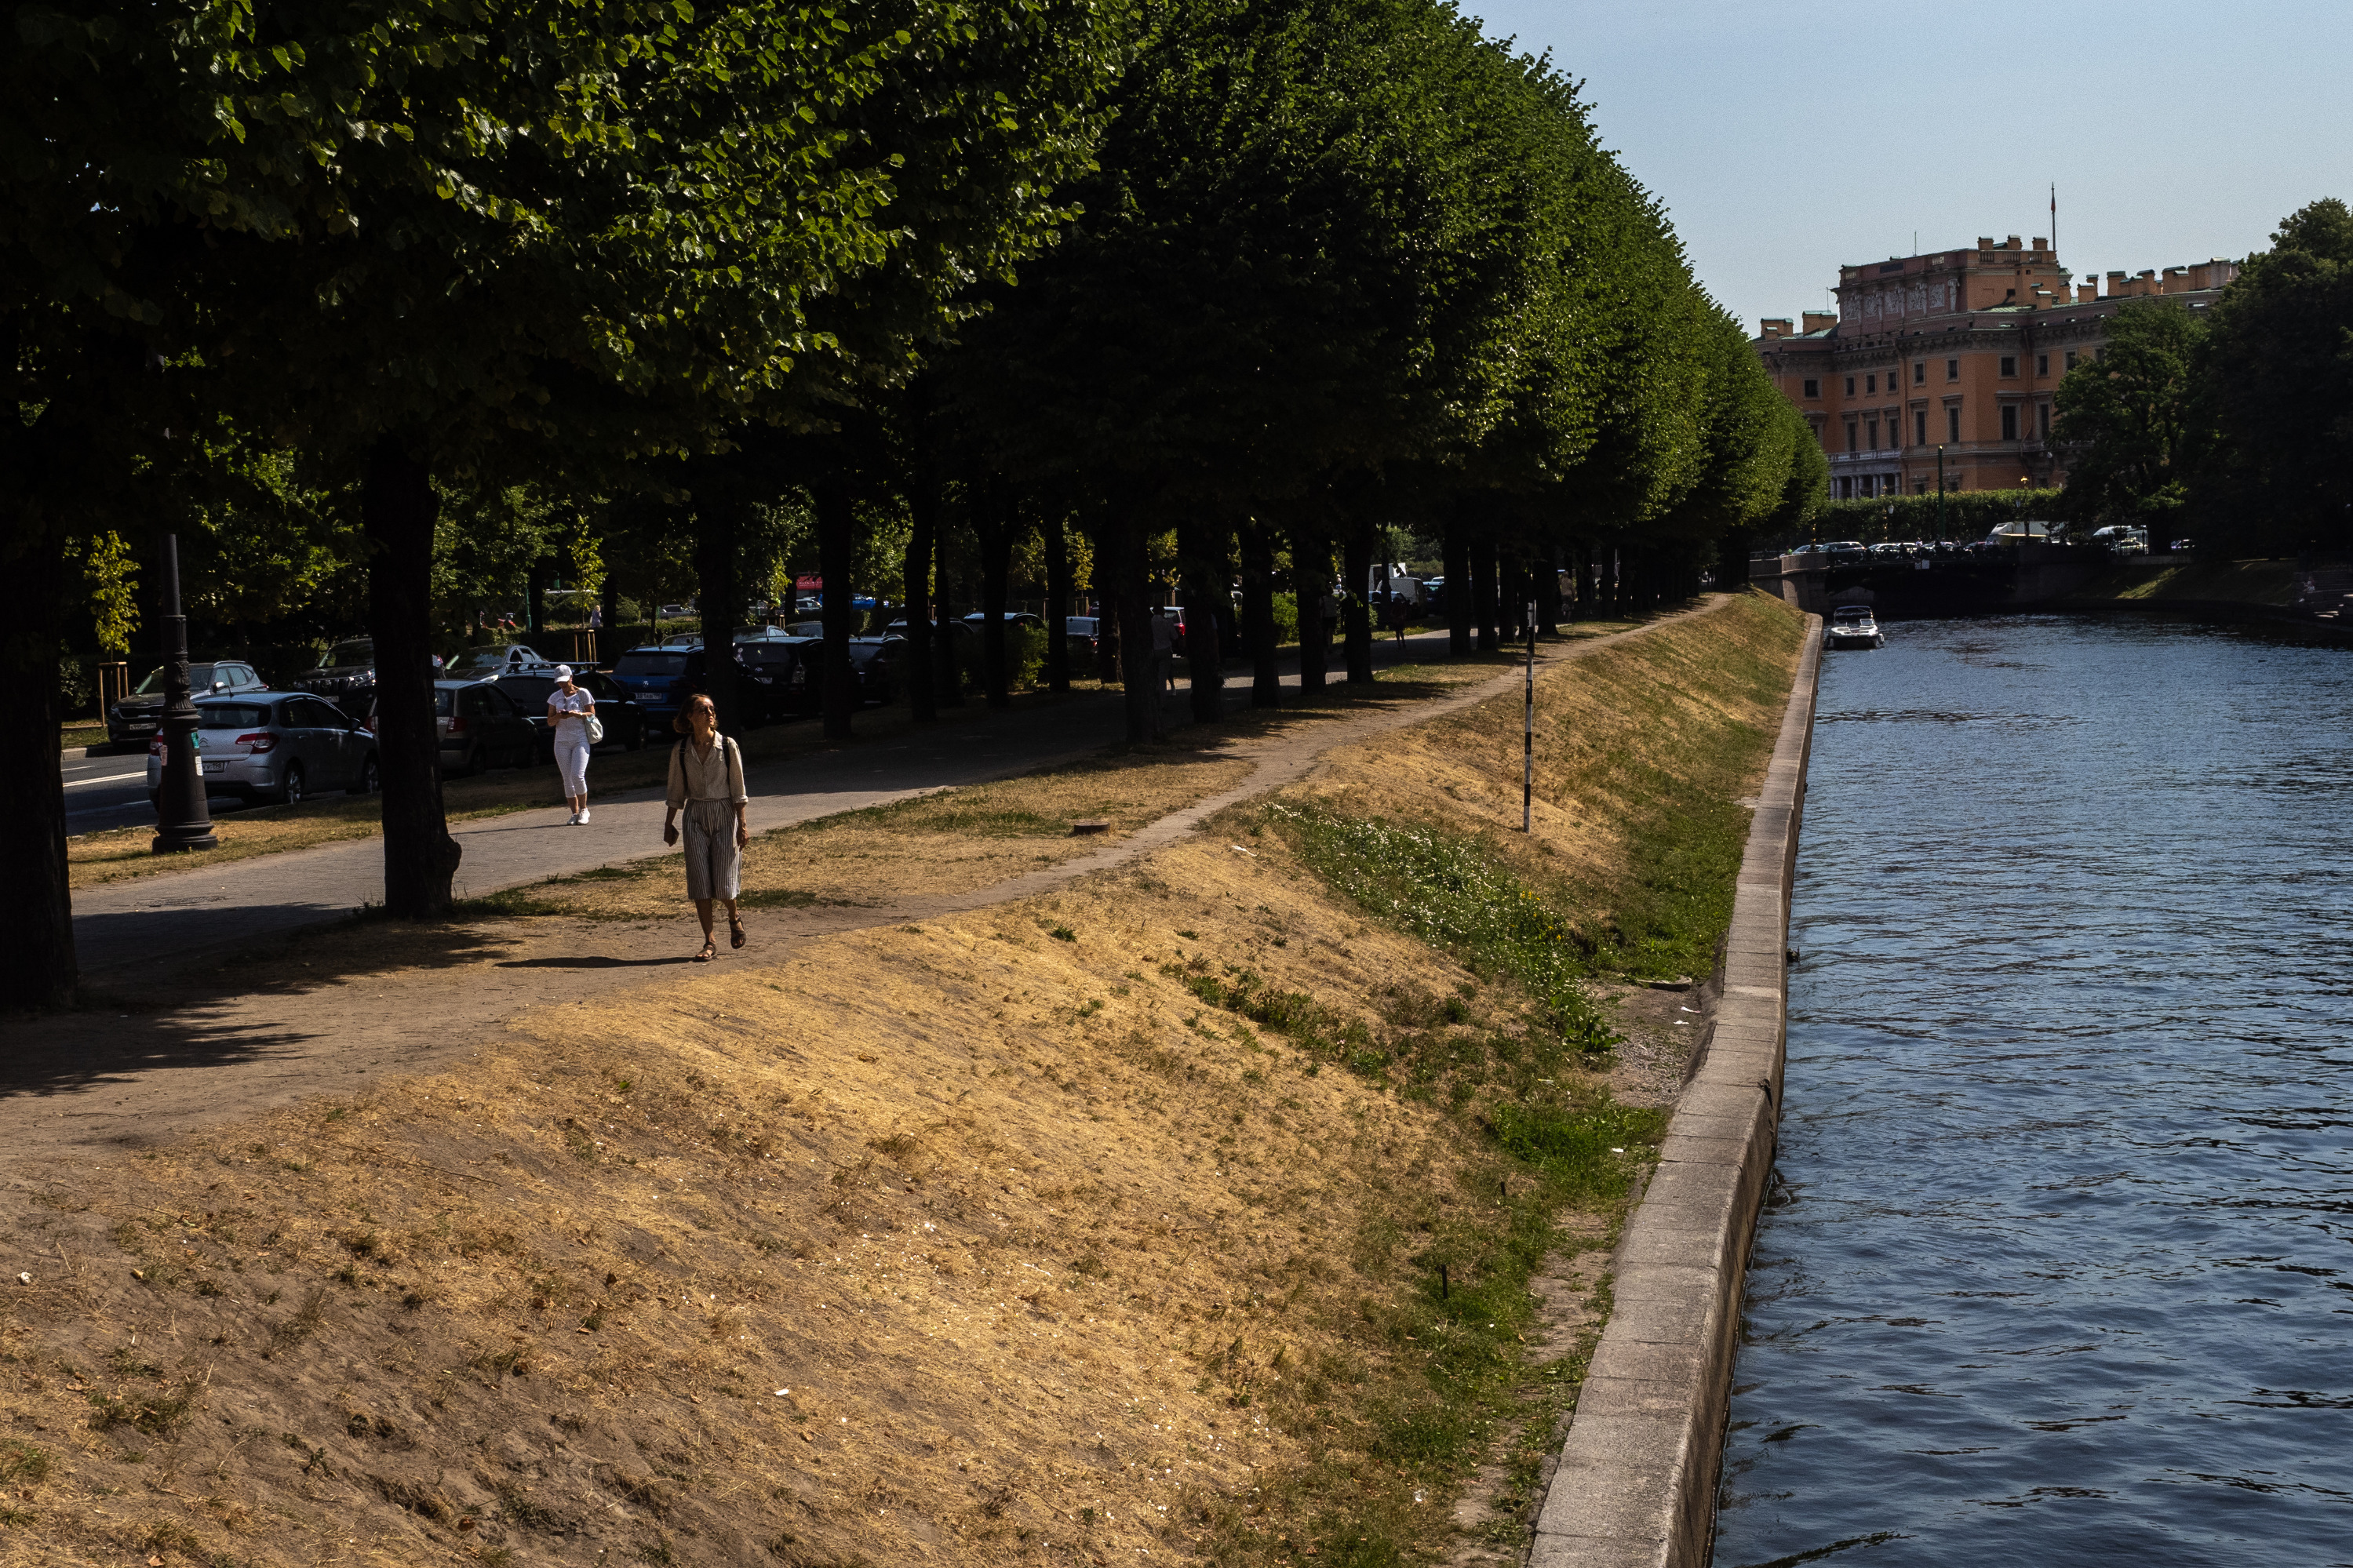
[1192, 1210]
[2271, 583]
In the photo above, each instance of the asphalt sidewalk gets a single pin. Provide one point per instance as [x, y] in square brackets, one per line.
[221, 911]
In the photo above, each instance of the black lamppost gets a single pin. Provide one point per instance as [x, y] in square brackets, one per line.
[182, 821]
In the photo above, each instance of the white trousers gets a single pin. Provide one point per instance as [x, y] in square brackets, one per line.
[572, 761]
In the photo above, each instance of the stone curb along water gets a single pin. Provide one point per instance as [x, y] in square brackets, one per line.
[1635, 1480]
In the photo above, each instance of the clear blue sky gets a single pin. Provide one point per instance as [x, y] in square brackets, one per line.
[1786, 139]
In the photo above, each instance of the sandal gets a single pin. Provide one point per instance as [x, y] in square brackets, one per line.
[734, 932]
[710, 951]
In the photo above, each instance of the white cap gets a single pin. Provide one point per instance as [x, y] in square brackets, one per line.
[562, 672]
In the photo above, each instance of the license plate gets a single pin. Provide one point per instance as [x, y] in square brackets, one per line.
[216, 767]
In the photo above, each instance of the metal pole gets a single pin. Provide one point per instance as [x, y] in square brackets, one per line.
[1528, 732]
[182, 821]
[1940, 492]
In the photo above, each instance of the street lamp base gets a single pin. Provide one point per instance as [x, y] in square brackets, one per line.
[172, 841]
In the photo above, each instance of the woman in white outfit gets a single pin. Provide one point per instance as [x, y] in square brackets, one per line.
[568, 711]
[706, 780]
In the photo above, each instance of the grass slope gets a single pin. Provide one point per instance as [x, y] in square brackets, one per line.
[1188, 1211]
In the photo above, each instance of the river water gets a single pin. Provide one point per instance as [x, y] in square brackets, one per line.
[2058, 1269]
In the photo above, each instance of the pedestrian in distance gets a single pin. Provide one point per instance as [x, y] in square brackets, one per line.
[570, 712]
[706, 783]
[1398, 611]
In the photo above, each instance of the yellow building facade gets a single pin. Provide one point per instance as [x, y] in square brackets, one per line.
[1958, 351]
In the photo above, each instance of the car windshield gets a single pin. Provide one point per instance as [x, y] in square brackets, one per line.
[232, 715]
[358, 652]
[200, 676]
[650, 664]
[442, 695]
[480, 659]
[766, 653]
[530, 690]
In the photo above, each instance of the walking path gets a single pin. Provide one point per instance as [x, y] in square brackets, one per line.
[223, 910]
[100, 1077]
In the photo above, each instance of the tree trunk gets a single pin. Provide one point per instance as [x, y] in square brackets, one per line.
[1311, 579]
[1458, 596]
[397, 511]
[837, 542]
[1258, 614]
[608, 636]
[535, 604]
[1482, 592]
[1357, 555]
[36, 918]
[1139, 668]
[997, 518]
[1732, 560]
[718, 519]
[1548, 615]
[923, 675]
[1202, 569]
[1058, 600]
[947, 683]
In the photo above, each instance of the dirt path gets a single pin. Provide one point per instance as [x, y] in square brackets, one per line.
[326, 1010]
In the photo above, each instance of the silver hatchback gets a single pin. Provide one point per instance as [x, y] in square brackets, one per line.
[275, 746]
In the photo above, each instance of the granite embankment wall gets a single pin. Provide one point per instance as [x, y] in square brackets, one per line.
[1637, 1475]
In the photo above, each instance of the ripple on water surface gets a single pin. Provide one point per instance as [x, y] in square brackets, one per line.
[2059, 1267]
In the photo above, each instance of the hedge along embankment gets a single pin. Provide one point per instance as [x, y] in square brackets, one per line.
[1189, 1209]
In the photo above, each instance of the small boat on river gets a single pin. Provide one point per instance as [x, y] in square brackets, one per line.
[1853, 626]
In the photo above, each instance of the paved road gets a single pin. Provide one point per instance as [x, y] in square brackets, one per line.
[216, 911]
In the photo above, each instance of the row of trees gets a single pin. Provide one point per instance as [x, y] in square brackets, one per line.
[2233, 425]
[444, 279]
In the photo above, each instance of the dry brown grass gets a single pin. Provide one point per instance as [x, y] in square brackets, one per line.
[1020, 1225]
[979, 1241]
[948, 842]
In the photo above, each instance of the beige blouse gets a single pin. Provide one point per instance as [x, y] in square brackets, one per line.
[715, 774]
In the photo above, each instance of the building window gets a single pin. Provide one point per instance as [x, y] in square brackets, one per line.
[2042, 364]
[1952, 370]
[2009, 366]
[2042, 420]
[2009, 421]
[1919, 372]
[1852, 438]
[1953, 422]
[1813, 388]
[1875, 435]
[2071, 359]
[1850, 386]
[1919, 427]
[1871, 384]
[1920, 487]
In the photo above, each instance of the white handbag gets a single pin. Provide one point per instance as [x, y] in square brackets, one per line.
[595, 730]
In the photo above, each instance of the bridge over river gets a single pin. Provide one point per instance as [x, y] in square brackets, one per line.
[1908, 588]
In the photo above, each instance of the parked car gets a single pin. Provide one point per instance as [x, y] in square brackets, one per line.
[2184, 546]
[499, 658]
[978, 620]
[662, 676]
[1841, 551]
[480, 728]
[2122, 537]
[881, 663]
[624, 721]
[781, 674]
[138, 715]
[274, 746]
[346, 676]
